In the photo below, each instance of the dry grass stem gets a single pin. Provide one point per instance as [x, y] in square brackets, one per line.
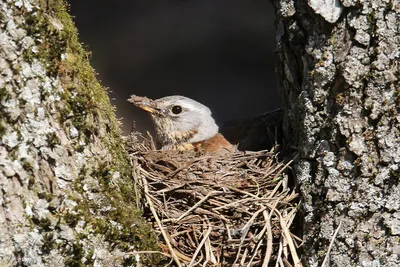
[331, 244]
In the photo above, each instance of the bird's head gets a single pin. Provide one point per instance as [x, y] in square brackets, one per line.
[178, 120]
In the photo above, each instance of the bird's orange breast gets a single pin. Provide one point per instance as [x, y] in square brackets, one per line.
[214, 144]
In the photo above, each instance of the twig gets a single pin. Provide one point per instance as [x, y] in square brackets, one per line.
[260, 236]
[197, 204]
[200, 246]
[275, 189]
[154, 212]
[172, 174]
[331, 244]
[244, 256]
[279, 254]
[284, 168]
[268, 252]
[141, 252]
[209, 249]
[245, 230]
[241, 201]
[288, 238]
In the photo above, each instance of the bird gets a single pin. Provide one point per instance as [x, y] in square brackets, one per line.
[182, 124]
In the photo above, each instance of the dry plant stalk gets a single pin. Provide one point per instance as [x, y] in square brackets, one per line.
[218, 211]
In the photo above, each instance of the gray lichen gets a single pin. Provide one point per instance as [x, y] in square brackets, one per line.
[330, 10]
[340, 79]
[66, 194]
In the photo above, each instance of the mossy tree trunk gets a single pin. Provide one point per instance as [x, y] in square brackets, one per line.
[66, 196]
[339, 76]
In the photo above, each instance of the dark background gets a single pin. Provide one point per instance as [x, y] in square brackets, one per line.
[218, 52]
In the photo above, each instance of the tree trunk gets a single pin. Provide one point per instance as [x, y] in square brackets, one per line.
[339, 77]
[67, 197]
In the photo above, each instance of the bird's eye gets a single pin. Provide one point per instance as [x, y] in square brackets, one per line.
[176, 110]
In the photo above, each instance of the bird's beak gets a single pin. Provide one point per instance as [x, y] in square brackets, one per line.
[152, 110]
[148, 109]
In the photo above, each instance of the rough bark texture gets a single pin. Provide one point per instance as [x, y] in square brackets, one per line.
[66, 196]
[339, 76]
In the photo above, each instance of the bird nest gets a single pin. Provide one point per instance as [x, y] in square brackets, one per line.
[217, 210]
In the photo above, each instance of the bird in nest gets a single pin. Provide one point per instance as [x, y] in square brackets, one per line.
[183, 124]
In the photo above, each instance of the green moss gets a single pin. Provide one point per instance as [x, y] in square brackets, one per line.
[76, 254]
[118, 226]
[371, 18]
[2, 129]
[367, 237]
[71, 219]
[389, 6]
[52, 140]
[44, 223]
[4, 94]
[31, 182]
[45, 195]
[48, 242]
[28, 166]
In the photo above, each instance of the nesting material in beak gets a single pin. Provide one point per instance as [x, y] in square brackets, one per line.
[144, 103]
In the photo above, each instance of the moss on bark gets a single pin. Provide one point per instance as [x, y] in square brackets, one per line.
[82, 174]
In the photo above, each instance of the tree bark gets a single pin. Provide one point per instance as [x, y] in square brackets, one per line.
[339, 76]
[67, 197]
